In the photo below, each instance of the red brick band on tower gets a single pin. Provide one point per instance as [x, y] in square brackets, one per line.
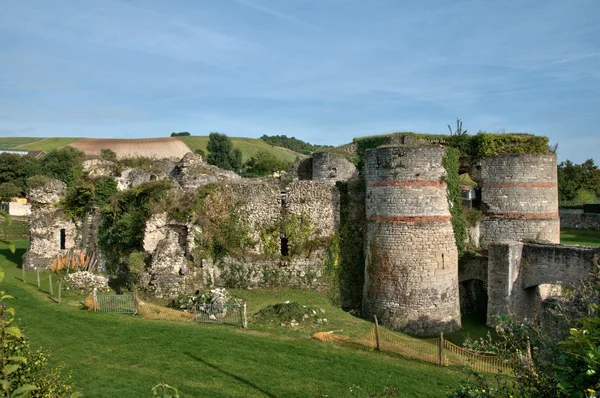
[519, 194]
[411, 270]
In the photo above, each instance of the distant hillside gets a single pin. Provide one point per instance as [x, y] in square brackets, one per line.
[35, 143]
[152, 147]
[248, 146]
[294, 144]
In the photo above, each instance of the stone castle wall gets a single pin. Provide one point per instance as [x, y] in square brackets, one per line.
[519, 274]
[519, 195]
[411, 276]
[578, 219]
[326, 166]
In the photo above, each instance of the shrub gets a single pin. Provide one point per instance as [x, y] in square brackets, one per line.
[108, 154]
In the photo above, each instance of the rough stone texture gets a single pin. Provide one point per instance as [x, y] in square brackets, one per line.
[516, 270]
[48, 193]
[411, 277]
[317, 200]
[301, 170]
[130, 178]
[259, 204]
[99, 168]
[474, 235]
[303, 273]
[192, 172]
[519, 196]
[45, 225]
[155, 231]
[577, 219]
[167, 264]
[326, 166]
[88, 236]
[474, 268]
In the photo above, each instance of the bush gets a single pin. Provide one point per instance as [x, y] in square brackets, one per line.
[108, 154]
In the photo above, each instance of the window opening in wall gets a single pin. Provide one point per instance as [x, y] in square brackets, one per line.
[283, 197]
[284, 246]
[63, 239]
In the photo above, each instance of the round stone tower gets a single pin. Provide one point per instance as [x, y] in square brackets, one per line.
[321, 167]
[411, 270]
[519, 195]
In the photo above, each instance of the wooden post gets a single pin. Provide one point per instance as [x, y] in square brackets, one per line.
[50, 284]
[377, 334]
[23, 273]
[38, 277]
[244, 317]
[441, 349]
[59, 290]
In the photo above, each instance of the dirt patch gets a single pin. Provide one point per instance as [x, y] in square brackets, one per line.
[159, 148]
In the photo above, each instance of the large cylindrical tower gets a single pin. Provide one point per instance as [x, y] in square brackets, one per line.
[519, 195]
[411, 271]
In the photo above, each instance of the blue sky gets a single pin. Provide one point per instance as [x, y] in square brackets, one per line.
[324, 71]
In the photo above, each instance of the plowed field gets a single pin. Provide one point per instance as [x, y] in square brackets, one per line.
[125, 148]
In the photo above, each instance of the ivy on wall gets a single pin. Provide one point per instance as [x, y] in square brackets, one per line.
[451, 163]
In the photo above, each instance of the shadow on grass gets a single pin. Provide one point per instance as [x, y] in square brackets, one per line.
[15, 257]
[238, 378]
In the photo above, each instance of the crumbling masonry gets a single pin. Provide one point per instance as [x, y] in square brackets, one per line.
[412, 280]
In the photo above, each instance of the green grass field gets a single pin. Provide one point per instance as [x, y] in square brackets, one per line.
[119, 355]
[248, 146]
[581, 237]
[48, 144]
[14, 142]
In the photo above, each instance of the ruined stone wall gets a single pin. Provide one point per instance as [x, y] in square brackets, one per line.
[47, 224]
[411, 277]
[520, 274]
[317, 200]
[519, 196]
[578, 219]
[325, 166]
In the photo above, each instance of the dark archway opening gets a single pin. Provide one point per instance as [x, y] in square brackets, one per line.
[474, 299]
[285, 251]
[63, 239]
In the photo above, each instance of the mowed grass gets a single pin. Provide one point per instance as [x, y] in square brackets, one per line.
[248, 146]
[119, 355]
[14, 142]
[48, 144]
[583, 237]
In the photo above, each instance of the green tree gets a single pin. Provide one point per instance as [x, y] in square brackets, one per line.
[108, 154]
[575, 177]
[63, 164]
[222, 154]
[17, 169]
[264, 164]
[8, 190]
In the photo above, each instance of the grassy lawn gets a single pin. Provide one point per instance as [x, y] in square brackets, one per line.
[248, 146]
[582, 237]
[14, 142]
[119, 355]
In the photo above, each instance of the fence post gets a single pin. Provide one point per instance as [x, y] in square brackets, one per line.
[95, 301]
[50, 284]
[244, 317]
[23, 272]
[441, 349]
[38, 277]
[59, 290]
[377, 333]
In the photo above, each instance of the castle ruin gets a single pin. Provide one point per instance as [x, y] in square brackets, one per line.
[406, 254]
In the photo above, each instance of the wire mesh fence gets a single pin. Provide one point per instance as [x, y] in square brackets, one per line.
[436, 350]
[233, 314]
[115, 303]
